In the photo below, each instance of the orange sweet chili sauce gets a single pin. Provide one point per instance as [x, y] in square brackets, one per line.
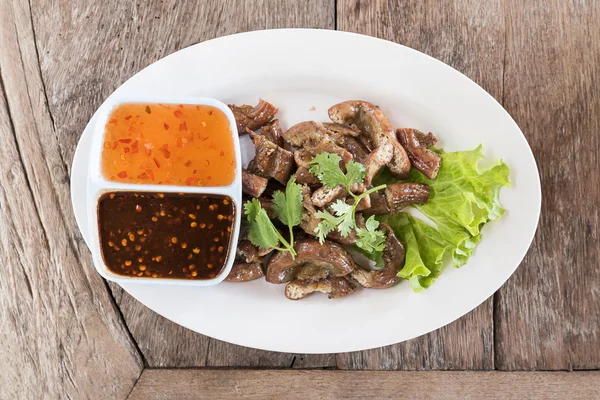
[170, 144]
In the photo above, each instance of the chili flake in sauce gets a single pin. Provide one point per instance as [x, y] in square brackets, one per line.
[170, 235]
[171, 144]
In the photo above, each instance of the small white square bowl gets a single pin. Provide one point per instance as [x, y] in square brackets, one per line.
[98, 185]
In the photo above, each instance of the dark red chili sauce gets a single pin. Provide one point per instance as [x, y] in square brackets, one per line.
[165, 235]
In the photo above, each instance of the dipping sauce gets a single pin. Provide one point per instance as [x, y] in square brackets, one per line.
[166, 235]
[171, 144]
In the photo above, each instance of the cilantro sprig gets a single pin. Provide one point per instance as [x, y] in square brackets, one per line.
[372, 240]
[288, 209]
[326, 167]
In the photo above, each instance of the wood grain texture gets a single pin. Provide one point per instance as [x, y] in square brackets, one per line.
[87, 49]
[548, 314]
[469, 36]
[58, 321]
[263, 385]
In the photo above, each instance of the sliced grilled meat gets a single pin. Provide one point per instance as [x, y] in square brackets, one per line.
[273, 132]
[309, 221]
[379, 157]
[272, 160]
[252, 118]
[325, 195]
[402, 195]
[312, 139]
[379, 205]
[304, 177]
[369, 119]
[308, 131]
[333, 287]
[253, 185]
[313, 261]
[417, 146]
[245, 272]
[340, 130]
[393, 257]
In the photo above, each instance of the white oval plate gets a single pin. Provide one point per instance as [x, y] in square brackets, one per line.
[304, 72]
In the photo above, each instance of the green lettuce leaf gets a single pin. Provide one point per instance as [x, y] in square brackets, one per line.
[425, 248]
[463, 199]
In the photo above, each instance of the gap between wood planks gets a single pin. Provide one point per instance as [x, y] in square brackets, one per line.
[301, 384]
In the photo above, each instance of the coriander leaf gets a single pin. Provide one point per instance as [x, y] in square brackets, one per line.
[327, 225]
[326, 166]
[371, 224]
[261, 231]
[346, 225]
[340, 208]
[355, 173]
[371, 239]
[288, 206]
[251, 209]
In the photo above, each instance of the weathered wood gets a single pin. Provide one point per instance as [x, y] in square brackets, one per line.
[223, 384]
[468, 35]
[548, 314]
[58, 322]
[87, 49]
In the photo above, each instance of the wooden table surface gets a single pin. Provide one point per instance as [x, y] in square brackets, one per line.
[66, 333]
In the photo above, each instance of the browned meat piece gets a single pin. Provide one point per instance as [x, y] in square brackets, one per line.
[393, 257]
[340, 130]
[253, 185]
[253, 169]
[273, 132]
[333, 287]
[303, 157]
[313, 139]
[379, 205]
[377, 159]
[417, 146]
[309, 221]
[354, 146]
[248, 117]
[304, 177]
[325, 195]
[326, 260]
[264, 252]
[245, 272]
[402, 195]
[272, 160]
[246, 251]
[267, 204]
[326, 145]
[369, 119]
[337, 237]
[304, 132]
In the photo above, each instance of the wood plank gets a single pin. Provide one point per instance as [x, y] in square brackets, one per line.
[90, 48]
[223, 384]
[469, 36]
[548, 314]
[58, 321]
